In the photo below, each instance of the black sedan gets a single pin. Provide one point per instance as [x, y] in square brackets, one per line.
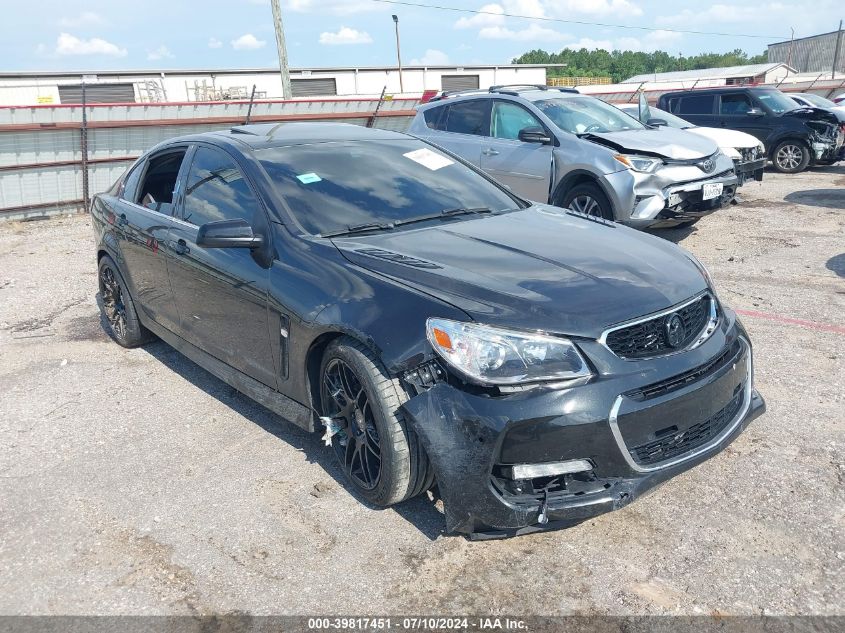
[538, 366]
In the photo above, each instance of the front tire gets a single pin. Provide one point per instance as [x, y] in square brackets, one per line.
[380, 456]
[588, 198]
[117, 307]
[791, 157]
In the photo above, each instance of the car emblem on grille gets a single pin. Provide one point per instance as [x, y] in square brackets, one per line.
[675, 331]
[707, 165]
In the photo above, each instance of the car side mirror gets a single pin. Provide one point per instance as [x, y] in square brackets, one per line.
[657, 123]
[534, 134]
[228, 234]
[756, 112]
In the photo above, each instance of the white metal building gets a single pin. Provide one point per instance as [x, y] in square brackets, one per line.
[138, 86]
[727, 76]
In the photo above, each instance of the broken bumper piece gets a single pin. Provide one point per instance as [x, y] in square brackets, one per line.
[552, 457]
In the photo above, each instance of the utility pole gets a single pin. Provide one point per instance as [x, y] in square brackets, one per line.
[398, 54]
[836, 52]
[283, 51]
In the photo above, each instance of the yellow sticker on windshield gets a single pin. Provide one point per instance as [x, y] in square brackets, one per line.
[427, 158]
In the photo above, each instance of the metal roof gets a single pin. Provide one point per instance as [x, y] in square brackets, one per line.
[158, 72]
[750, 70]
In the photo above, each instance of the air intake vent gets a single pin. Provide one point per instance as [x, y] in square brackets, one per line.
[398, 258]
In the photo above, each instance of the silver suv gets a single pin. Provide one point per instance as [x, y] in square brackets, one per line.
[560, 147]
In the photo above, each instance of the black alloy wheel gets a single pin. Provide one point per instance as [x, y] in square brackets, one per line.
[113, 306]
[117, 307]
[381, 457]
[357, 443]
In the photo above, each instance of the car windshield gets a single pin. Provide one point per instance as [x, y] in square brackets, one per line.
[776, 101]
[348, 186]
[581, 115]
[657, 113]
[818, 101]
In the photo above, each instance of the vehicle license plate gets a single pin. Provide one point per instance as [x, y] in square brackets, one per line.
[711, 190]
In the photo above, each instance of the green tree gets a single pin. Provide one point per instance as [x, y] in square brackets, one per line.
[620, 65]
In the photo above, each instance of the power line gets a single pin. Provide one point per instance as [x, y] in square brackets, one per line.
[547, 19]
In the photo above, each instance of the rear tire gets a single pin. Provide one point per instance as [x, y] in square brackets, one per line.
[118, 308]
[587, 198]
[381, 457]
[791, 157]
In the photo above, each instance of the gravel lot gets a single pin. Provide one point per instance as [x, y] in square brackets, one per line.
[135, 482]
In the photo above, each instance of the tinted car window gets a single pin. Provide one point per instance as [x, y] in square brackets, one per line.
[509, 118]
[735, 104]
[693, 104]
[217, 190]
[434, 118]
[130, 185]
[579, 115]
[469, 117]
[332, 186]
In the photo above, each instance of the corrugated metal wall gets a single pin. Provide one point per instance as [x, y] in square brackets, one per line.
[40, 146]
[810, 54]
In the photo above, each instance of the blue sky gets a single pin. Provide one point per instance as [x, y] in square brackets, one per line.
[104, 34]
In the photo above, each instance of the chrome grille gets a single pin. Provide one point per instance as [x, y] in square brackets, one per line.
[665, 333]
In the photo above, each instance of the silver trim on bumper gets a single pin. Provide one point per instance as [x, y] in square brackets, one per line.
[730, 428]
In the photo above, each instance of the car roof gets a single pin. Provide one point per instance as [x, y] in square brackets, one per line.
[513, 93]
[717, 90]
[263, 135]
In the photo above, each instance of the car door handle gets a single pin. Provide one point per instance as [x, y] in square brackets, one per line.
[181, 248]
[490, 152]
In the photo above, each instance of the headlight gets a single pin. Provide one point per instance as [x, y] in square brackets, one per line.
[501, 357]
[731, 153]
[644, 164]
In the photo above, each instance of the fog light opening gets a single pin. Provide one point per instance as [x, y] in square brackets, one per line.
[550, 469]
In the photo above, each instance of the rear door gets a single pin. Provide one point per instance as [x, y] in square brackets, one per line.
[461, 127]
[144, 214]
[733, 114]
[524, 167]
[222, 292]
[699, 109]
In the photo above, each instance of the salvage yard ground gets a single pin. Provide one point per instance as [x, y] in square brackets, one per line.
[135, 482]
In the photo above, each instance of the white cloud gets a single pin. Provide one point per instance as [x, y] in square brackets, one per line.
[615, 8]
[213, 42]
[492, 16]
[335, 7]
[345, 35]
[432, 57]
[247, 42]
[162, 52]
[533, 33]
[590, 44]
[86, 18]
[68, 44]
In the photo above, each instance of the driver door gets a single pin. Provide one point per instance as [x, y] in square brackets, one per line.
[524, 167]
[222, 293]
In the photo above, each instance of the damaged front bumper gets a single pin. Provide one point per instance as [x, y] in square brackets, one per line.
[750, 170]
[673, 194]
[634, 428]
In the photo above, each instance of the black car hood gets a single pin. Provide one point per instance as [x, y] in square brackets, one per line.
[541, 268]
[814, 114]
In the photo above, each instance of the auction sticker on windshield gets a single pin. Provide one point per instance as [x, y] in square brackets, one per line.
[711, 190]
[427, 158]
